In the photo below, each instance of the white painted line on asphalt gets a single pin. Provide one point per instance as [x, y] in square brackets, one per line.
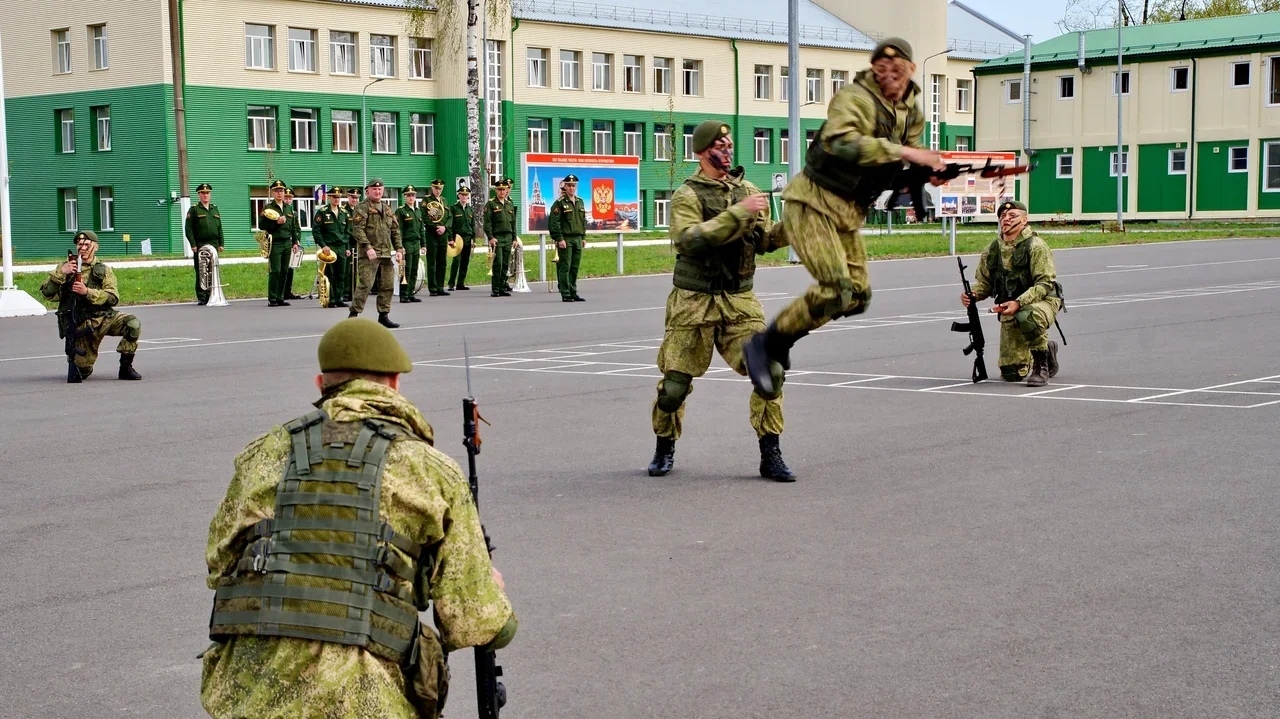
[168, 340]
[1206, 389]
[1055, 389]
[945, 386]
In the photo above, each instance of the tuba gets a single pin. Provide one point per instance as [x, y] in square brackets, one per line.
[324, 258]
[516, 276]
[208, 276]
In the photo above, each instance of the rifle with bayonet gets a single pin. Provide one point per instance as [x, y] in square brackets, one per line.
[977, 343]
[914, 177]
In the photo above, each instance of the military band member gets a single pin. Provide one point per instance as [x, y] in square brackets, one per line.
[353, 199]
[719, 223]
[284, 237]
[435, 218]
[297, 232]
[377, 236]
[462, 229]
[409, 217]
[204, 227]
[1017, 270]
[567, 226]
[91, 300]
[329, 228]
[500, 229]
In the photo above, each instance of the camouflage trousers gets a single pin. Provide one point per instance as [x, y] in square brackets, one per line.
[697, 323]
[1026, 331]
[832, 250]
[369, 272]
[127, 327]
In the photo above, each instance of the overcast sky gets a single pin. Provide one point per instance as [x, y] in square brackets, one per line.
[1029, 16]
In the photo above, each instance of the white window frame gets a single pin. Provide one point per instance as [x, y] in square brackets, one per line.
[262, 127]
[1062, 82]
[1273, 81]
[539, 136]
[1271, 157]
[602, 71]
[839, 78]
[691, 78]
[346, 133]
[763, 140]
[422, 133]
[70, 210]
[382, 55]
[1248, 81]
[1173, 79]
[602, 139]
[662, 208]
[420, 59]
[1124, 163]
[1174, 151]
[662, 75]
[99, 60]
[391, 199]
[1231, 159]
[662, 143]
[784, 83]
[259, 50]
[763, 82]
[1071, 166]
[784, 146]
[538, 60]
[570, 70]
[962, 143]
[813, 84]
[384, 133]
[964, 96]
[310, 130]
[633, 73]
[342, 54]
[102, 127]
[1121, 81]
[1009, 99]
[106, 209]
[302, 50]
[304, 207]
[571, 137]
[67, 123]
[62, 51]
[257, 203]
[633, 140]
[688, 144]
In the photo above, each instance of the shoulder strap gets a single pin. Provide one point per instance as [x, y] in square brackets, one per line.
[305, 431]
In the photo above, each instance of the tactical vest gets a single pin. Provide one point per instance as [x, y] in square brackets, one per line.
[94, 279]
[731, 267]
[1011, 283]
[327, 527]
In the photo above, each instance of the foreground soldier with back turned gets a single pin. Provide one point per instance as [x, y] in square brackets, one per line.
[719, 223]
[336, 530]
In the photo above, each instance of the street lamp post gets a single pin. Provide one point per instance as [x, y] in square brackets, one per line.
[364, 131]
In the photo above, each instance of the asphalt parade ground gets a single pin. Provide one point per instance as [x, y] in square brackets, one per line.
[1105, 546]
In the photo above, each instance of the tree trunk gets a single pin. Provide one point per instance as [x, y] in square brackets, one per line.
[476, 165]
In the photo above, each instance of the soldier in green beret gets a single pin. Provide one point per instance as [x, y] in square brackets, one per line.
[567, 226]
[377, 236]
[874, 125]
[435, 219]
[500, 225]
[329, 228]
[204, 227]
[1017, 271]
[88, 295]
[277, 219]
[409, 216]
[334, 629]
[463, 230]
[719, 223]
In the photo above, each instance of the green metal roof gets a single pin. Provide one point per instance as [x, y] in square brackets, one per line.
[1186, 38]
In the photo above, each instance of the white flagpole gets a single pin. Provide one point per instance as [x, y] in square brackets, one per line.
[13, 301]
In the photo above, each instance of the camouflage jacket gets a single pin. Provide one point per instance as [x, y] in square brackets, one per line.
[694, 234]
[857, 127]
[373, 224]
[101, 296]
[1043, 274]
[426, 498]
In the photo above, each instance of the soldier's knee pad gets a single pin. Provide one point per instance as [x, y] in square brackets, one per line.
[675, 387]
[1027, 324]
[837, 298]
[133, 329]
[779, 376]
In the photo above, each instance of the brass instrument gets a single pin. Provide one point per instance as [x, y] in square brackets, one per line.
[324, 258]
[208, 276]
[434, 209]
[516, 276]
[262, 236]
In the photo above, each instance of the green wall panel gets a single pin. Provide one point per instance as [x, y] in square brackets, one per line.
[1159, 191]
[1216, 187]
[1098, 188]
[1049, 194]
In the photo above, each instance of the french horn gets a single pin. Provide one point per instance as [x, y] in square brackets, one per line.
[208, 276]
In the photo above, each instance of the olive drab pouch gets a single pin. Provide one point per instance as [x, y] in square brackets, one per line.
[426, 677]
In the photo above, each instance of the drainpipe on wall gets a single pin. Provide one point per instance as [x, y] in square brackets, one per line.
[180, 114]
[1192, 150]
[737, 90]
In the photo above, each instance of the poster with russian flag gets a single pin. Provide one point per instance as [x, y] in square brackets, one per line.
[609, 186]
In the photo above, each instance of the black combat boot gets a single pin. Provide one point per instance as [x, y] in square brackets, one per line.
[126, 367]
[73, 374]
[1053, 359]
[352, 314]
[1039, 369]
[771, 464]
[764, 348]
[385, 321]
[664, 457]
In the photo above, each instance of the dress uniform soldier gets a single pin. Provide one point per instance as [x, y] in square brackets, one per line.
[87, 311]
[284, 237]
[329, 228]
[462, 225]
[435, 218]
[500, 229]
[297, 232]
[567, 227]
[353, 199]
[1017, 270]
[204, 227]
[409, 218]
[377, 236]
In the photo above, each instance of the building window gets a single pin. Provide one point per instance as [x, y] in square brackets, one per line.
[691, 78]
[62, 51]
[784, 83]
[602, 137]
[382, 56]
[1012, 91]
[662, 208]
[102, 124]
[1066, 87]
[304, 206]
[1273, 81]
[1272, 152]
[345, 136]
[257, 203]
[963, 143]
[632, 73]
[1239, 159]
[106, 209]
[1120, 83]
[784, 146]
[571, 137]
[537, 66]
[259, 47]
[391, 199]
[1123, 158]
[70, 210]
[964, 95]
[262, 128]
[1177, 162]
[342, 52]
[67, 130]
[632, 139]
[98, 36]
[423, 129]
[763, 139]
[1066, 166]
[569, 69]
[839, 78]
[764, 82]
[1240, 74]
[688, 144]
[662, 75]
[809, 137]
[662, 142]
[539, 135]
[1180, 79]
[305, 129]
[302, 50]
[601, 71]
[813, 86]
[420, 59]
[384, 133]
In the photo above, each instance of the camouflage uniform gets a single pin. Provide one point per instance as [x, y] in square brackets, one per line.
[1027, 330]
[96, 318]
[374, 225]
[425, 498]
